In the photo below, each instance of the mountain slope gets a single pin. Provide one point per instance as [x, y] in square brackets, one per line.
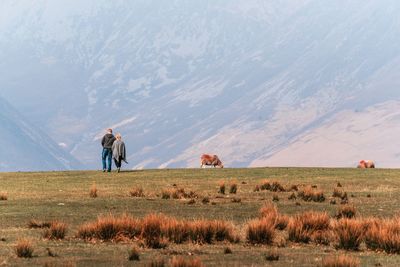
[242, 79]
[25, 148]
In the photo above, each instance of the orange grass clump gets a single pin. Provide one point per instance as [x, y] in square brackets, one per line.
[346, 211]
[157, 229]
[233, 188]
[303, 226]
[3, 196]
[179, 261]
[93, 191]
[261, 231]
[57, 230]
[221, 185]
[340, 261]
[24, 249]
[383, 234]
[350, 233]
[311, 194]
[136, 192]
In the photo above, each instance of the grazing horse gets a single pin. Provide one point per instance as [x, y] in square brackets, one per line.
[212, 160]
[366, 164]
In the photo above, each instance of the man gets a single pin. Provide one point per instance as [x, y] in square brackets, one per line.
[107, 142]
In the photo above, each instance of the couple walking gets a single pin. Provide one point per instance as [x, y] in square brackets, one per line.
[113, 148]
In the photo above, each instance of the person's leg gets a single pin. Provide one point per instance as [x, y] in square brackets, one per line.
[109, 159]
[103, 158]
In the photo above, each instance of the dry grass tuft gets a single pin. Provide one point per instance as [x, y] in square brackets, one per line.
[57, 230]
[136, 192]
[93, 191]
[350, 233]
[292, 196]
[179, 261]
[233, 188]
[272, 255]
[34, 224]
[346, 211]
[205, 200]
[158, 262]
[340, 261]
[256, 188]
[3, 196]
[133, 254]
[166, 193]
[227, 250]
[383, 234]
[277, 187]
[302, 227]
[261, 231]
[221, 185]
[265, 185]
[24, 249]
[236, 200]
[275, 198]
[311, 194]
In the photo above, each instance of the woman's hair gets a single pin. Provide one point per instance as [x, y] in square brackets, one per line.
[118, 136]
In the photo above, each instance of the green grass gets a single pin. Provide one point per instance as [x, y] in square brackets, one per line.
[64, 196]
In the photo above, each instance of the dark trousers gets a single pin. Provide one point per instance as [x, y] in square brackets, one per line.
[118, 162]
[106, 155]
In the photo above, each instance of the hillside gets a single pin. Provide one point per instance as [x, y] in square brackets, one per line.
[26, 148]
[250, 81]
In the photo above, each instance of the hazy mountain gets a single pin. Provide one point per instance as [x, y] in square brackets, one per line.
[257, 82]
[25, 148]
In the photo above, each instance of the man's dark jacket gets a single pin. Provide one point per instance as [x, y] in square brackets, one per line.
[107, 141]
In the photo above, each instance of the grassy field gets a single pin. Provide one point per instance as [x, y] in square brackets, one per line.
[64, 196]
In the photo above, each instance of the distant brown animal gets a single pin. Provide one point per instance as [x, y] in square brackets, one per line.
[210, 160]
[366, 164]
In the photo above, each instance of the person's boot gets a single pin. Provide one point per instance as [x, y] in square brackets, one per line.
[118, 169]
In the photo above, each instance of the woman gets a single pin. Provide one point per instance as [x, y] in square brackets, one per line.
[118, 151]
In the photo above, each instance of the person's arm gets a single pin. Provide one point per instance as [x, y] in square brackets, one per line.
[103, 141]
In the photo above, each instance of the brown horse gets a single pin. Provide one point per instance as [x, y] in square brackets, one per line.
[210, 160]
[366, 164]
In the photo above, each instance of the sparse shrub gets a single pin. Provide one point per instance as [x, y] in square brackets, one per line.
[109, 228]
[268, 210]
[227, 250]
[383, 234]
[303, 226]
[33, 223]
[134, 254]
[322, 237]
[57, 230]
[311, 194]
[233, 188]
[294, 188]
[221, 187]
[24, 249]
[205, 200]
[260, 231]
[272, 255]
[277, 187]
[236, 200]
[136, 192]
[93, 191]
[340, 261]
[179, 261]
[166, 194]
[350, 233]
[265, 185]
[339, 193]
[281, 222]
[292, 196]
[275, 198]
[346, 211]
[3, 196]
